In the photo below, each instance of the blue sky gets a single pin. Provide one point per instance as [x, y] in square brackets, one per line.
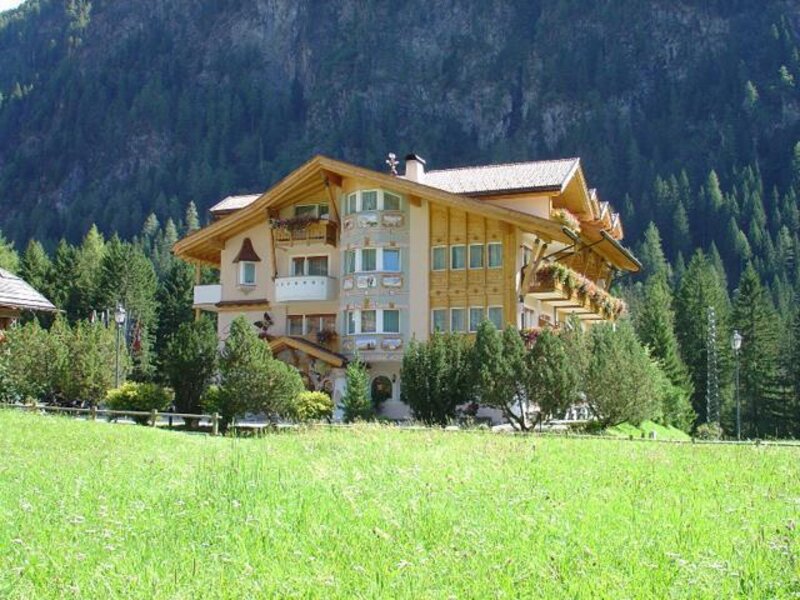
[6, 4]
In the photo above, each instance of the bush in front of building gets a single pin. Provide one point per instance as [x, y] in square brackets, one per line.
[313, 406]
[356, 402]
[144, 397]
[437, 377]
[251, 379]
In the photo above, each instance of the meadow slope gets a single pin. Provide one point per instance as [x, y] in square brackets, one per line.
[91, 510]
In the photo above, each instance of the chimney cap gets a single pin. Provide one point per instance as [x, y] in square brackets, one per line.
[415, 157]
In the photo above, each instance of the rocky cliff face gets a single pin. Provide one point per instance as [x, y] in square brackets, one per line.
[113, 109]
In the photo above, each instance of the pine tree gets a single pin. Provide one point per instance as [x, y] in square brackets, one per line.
[9, 259]
[62, 278]
[356, 403]
[173, 302]
[191, 219]
[700, 288]
[754, 318]
[651, 254]
[499, 361]
[88, 263]
[35, 267]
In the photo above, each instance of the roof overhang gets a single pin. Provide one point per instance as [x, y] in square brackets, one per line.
[286, 342]
[204, 245]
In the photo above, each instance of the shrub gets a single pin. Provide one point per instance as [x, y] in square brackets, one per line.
[356, 403]
[436, 377]
[189, 364]
[708, 431]
[139, 397]
[251, 380]
[313, 406]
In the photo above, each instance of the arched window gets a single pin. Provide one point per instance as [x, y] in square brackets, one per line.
[381, 389]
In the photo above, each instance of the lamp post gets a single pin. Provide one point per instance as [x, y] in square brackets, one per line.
[119, 319]
[736, 344]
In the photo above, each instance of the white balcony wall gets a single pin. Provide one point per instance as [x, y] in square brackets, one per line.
[207, 295]
[310, 287]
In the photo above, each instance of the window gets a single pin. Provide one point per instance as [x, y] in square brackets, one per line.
[247, 273]
[368, 321]
[305, 210]
[369, 200]
[438, 320]
[352, 204]
[350, 318]
[458, 257]
[439, 258]
[391, 259]
[391, 321]
[349, 261]
[496, 316]
[294, 324]
[317, 323]
[317, 265]
[369, 260]
[458, 318]
[495, 255]
[475, 317]
[324, 211]
[298, 266]
[391, 201]
[476, 256]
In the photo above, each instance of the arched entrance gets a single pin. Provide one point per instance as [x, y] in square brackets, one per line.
[381, 390]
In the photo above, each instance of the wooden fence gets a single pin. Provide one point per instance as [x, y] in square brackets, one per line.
[93, 412]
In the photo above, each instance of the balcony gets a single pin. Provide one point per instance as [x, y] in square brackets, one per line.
[567, 290]
[305, 288]
[206, 296]
[304, 230]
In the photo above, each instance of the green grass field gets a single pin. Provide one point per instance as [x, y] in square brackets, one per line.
[93, 510]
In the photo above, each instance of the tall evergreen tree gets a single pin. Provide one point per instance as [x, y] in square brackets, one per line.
[9, 259]
[35, 267]
[754, 318]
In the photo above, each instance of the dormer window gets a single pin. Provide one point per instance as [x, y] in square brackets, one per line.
[371, 200]
[247, 259]
[247, 273]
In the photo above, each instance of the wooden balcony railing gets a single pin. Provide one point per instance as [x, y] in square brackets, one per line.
[562, 287]
[288, 232]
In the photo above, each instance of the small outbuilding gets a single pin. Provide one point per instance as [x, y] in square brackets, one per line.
[17, 297]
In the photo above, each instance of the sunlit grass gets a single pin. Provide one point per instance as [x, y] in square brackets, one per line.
[92, 510]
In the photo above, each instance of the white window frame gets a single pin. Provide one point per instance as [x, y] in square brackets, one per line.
[454, 247]
[381, 323]
[488, 255]
[360, 260]
[496, 307]
[382, 263]
[466, 320]
[433, 261]
[469, 318]
[242, 265]
[380, 204]
[317, 209]
[469, 256]
[305, 258]
[302, 324]
[446, 326]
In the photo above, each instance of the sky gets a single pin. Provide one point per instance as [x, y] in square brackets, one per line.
[6, 4]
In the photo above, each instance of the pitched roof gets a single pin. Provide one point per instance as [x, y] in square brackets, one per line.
[509, 177]
[18, 294]
[232, 203]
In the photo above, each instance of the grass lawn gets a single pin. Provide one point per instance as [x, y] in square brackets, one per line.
[643, 430]
[92, 510]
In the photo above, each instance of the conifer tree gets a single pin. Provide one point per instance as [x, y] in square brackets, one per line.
[9, 259]
[651, 254]
[62, 278]
[35, 267]
[754, 318]
[356, 403]
[191, 219]
[173, 302]
[88, 264]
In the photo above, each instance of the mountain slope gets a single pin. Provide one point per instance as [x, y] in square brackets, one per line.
[112, 110]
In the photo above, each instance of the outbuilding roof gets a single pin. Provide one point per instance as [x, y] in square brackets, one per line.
[508, 177]
[20, 295]
[232, 203]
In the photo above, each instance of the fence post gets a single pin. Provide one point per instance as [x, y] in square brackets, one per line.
[93, 413]
[153, 417]
[215, 424]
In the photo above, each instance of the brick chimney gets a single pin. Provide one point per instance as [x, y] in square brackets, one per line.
[415, 168]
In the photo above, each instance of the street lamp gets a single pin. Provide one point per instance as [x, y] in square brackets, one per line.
[736, 344]
[119, 319]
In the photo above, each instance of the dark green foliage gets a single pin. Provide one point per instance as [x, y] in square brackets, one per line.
[498, 362]
[35, 268]
[9, 259]
[621, 379]
[763, 408]
[356, 403]
[251, 380]
[553, 375]
[173, 302]
[436, 377]
[190, 363]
